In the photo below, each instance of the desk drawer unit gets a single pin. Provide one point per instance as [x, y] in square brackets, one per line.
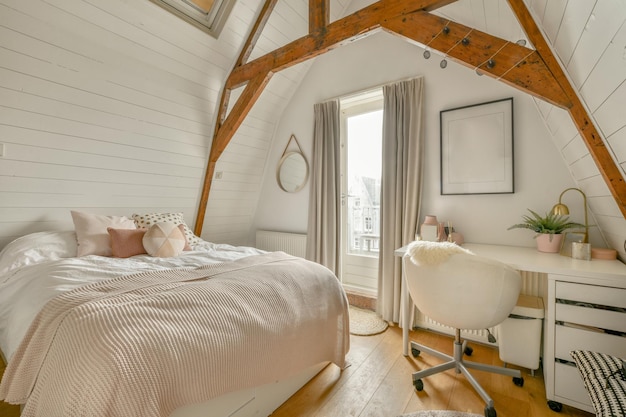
[588, 317]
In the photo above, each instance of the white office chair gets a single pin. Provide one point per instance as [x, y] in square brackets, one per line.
[461, 290]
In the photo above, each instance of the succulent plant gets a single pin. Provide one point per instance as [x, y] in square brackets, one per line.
[550, 223]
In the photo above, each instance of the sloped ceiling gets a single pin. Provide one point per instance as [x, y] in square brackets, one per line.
[573, 30]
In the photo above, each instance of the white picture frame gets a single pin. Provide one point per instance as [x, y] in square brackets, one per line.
[477, 149]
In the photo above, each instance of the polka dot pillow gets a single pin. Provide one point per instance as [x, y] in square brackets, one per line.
[145, 221]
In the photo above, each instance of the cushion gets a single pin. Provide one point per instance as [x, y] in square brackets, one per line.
[604, 380]
[91, 232]
[126, 242]
[164, 239]
[144, 221]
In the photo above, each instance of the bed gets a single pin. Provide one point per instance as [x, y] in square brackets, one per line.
[217, 330]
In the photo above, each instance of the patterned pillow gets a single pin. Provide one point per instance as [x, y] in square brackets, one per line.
[164, 240]
[605, 381]
[144, 221]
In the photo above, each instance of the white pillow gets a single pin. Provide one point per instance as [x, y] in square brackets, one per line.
[37, 247]
[164, 240]
[144, 221]
[91, 232]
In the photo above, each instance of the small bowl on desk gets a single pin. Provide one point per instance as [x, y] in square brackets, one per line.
[603, 254]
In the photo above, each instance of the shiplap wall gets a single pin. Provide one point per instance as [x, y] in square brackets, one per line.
[108, 106]
[589, 39]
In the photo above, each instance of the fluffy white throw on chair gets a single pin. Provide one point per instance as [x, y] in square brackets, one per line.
[424, 252]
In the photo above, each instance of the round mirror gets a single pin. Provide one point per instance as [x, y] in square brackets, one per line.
[292, 172]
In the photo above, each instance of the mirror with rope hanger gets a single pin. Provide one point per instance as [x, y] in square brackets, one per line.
[292, 171]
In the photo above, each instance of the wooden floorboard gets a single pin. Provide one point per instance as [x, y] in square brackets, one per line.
[377, 383]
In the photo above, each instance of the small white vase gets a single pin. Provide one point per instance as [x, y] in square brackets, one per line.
[550, 243]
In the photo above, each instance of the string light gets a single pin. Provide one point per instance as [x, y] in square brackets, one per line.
[445, 30]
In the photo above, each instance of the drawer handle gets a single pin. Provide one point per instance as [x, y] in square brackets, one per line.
[590, 305]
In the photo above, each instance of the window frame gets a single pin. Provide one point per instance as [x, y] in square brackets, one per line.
[212, 22]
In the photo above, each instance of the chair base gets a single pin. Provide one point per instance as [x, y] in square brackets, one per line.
[457, 362]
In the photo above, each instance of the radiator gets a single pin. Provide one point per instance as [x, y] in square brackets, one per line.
[533, 283]
[291, 243]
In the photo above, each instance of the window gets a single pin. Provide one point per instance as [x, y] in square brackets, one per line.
[207, 15]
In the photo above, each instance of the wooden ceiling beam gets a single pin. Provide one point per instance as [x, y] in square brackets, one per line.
[505, 61]
[348, 29]
[319, 15]
[256, 76]
[225, 132]
[535, 72]
[609, 170]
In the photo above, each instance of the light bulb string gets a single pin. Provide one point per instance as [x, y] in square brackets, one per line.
[507, 71]
[459, 41]
[439, 33]
[492, 56]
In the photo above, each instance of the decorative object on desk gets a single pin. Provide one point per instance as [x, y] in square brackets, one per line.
[440, 413]
[453, 236]
[477, 148]
[548, 229]
[581, 250]
[604, 254]
[441, 232]
[430, 228]
[366, 322]
[568, 239]
[561, 209]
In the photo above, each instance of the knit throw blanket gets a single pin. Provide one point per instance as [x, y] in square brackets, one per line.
[426, 253]
[148, 343]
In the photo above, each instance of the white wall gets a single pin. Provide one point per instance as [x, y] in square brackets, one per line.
[106, 107]
[540, 174]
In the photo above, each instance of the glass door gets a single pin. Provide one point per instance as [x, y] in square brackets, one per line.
[361, 147]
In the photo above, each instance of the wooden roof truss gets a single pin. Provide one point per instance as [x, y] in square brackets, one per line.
[534, 71]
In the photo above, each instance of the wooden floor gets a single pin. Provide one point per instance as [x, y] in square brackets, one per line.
[378, 383]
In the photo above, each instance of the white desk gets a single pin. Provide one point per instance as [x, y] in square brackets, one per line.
[598, 282]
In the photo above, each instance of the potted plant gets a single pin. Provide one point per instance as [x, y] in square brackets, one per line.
[548, 229]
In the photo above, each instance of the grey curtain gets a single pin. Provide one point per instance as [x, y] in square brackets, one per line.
[324, 200]
[401, 187]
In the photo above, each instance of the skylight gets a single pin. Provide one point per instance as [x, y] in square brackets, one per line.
[207, 15]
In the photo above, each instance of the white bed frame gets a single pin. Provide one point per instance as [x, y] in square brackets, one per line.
[253, 402]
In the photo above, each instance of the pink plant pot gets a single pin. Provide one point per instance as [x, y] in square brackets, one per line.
[550, 243]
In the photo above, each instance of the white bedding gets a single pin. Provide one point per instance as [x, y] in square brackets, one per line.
[37, 267]
[42, 270]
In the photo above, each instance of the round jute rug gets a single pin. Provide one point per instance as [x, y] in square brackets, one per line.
[440, 413]
[365, 322]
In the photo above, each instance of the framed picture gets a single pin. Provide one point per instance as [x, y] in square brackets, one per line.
[568, 239]
[477, 148]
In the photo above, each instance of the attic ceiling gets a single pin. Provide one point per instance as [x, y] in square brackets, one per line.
[500, 39]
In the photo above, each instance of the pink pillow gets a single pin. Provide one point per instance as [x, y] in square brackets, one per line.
[126, 242]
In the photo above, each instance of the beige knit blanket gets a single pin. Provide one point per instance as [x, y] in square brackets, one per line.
[145, 344]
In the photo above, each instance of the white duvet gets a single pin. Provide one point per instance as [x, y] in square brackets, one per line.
[37, 267]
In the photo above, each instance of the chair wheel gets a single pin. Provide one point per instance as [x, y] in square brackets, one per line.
[468, 351]
[555, 406]
[490, 412]
[418, 384]
[518, 381]
[415, 352]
